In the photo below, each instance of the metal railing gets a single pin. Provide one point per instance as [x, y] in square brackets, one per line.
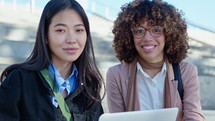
[91, 6]
[30, 4]
[99, 8]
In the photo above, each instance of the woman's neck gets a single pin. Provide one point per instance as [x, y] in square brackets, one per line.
[151, 69]
[64, 69]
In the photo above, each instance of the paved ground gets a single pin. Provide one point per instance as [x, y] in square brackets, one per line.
[18, 30]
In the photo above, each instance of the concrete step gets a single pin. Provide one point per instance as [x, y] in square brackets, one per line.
[207, 92]
[18, 30]
[202, 36]
[200, 50]
[16, 49]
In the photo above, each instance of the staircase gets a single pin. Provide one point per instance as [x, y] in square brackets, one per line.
[18, 31]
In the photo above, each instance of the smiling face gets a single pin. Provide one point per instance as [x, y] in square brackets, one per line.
[66, 36]
[150, 48]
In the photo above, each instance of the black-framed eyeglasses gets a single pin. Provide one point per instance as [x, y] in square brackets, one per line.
[139, 32]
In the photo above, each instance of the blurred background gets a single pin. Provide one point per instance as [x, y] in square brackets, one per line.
[19, 20]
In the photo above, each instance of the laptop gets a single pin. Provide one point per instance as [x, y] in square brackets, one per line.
[166, 114]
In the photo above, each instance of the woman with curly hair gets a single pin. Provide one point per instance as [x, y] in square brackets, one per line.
[149, 37]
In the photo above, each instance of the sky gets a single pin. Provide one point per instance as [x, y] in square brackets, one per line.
[199, 12]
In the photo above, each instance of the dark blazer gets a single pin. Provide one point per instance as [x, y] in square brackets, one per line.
[25, 96]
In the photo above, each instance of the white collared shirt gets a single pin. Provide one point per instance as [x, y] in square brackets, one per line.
[151, 90]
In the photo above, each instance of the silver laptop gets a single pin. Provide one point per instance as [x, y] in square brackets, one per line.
[166, 114]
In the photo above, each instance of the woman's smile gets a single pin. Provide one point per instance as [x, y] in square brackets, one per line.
[71, 50]
[148, 48]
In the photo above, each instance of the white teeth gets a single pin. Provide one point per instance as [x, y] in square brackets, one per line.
[148, 47]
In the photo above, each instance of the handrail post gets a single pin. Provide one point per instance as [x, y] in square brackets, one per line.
[32, 6]
[107, 12]
[14, 4]
[93, 6]
[1, 2]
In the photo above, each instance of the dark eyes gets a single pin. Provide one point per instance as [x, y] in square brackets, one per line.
[156, 30]
[138, 31]
[153, 29]
[79, 30]
[60, 30]
[63, 30]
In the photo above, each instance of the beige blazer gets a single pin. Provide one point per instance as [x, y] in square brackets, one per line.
[117, 82]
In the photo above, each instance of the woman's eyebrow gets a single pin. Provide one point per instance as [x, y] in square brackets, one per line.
[79, 25]
[60, 24]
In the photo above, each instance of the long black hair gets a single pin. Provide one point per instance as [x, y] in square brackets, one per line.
[89, 75]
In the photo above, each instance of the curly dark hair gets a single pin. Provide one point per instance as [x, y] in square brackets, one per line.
[155, 12]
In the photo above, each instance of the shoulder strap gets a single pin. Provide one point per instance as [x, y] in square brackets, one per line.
[62, 104]
[177, 73]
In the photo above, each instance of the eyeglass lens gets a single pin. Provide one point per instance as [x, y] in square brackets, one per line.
[155, 31]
